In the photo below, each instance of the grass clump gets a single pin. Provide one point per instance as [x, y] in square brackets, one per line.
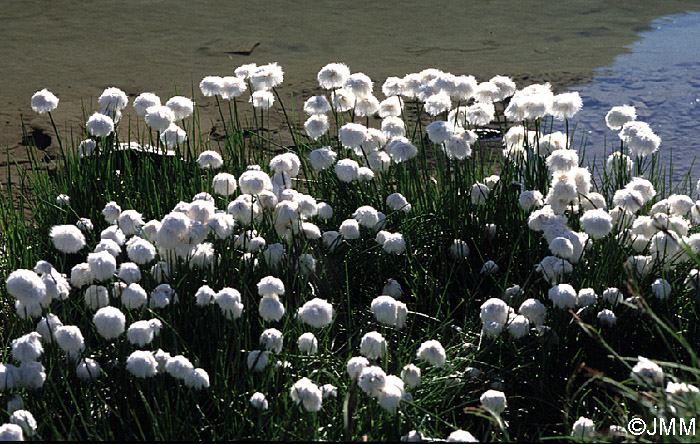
[371, 280]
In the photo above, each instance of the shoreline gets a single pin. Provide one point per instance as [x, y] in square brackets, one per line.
[78, 50]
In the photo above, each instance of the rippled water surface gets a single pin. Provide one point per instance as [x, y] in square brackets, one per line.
[660, 77]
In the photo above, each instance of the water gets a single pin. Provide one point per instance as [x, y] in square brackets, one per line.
[660, 77]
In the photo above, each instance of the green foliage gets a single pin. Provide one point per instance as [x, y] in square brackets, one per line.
[572, 367]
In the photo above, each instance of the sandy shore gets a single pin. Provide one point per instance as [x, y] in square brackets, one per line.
[78, 49]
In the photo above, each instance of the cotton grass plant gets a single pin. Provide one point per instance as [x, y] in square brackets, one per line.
[377, 279]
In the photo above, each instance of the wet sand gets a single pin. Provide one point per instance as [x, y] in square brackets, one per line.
[76, 49]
